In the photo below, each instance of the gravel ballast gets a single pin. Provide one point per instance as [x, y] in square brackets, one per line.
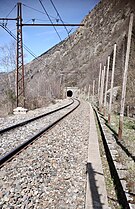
[51, 173]
[18, 118]
[11, 139]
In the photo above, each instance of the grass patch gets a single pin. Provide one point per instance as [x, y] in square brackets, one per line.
[128, 141]
[128, 136]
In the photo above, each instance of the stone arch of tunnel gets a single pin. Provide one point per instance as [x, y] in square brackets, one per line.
[69, 93]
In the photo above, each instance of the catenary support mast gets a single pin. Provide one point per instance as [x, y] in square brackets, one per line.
[20, 89]
[20, 93]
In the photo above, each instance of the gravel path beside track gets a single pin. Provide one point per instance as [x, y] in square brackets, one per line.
[52, 172]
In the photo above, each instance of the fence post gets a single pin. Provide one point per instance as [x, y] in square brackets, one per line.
[106, 85]
[102, 89]
[99, 82]
[93, 91]
[125, 76]
[112, 81]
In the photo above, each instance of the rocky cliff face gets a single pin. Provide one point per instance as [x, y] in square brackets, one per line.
[75, 61]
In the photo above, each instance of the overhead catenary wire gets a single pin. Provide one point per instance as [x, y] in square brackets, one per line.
[8, 15]
[37, 10]
[4, 26]
[50, 19]
[15, 38]
[25, 47]
[58, 14]
[11, 11]
[45, 12]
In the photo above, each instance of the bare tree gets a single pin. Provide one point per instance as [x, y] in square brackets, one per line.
[8, 56]
[8, 63]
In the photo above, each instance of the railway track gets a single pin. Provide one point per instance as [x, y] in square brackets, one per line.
[17, 137]
[51, 172]
[119, 171]
[3, 130]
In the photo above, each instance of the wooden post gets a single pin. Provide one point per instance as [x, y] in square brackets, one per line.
[112, 81]
[99, 81]
[93, 91]
[106, 85]
[102, 89]
[125, 76]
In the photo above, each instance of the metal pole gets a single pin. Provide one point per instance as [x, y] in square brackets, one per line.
[46, 24]
[112, 81]
[8, 18]
[20, 66]
[106, 85]
[20, 94]
[125, 76]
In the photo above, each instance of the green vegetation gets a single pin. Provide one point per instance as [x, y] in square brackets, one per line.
[128, 142]
[128, 139]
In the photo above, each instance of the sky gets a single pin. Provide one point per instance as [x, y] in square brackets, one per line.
[40, 39]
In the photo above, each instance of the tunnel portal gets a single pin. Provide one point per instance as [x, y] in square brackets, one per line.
[69, 93]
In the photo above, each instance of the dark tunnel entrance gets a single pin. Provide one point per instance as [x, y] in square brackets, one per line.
[69, 93]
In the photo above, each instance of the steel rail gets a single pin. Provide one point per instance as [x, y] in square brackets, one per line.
[32, 119]
[9, 156]
[122, 198]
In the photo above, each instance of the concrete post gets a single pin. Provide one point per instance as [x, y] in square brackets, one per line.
[112, 81]
[93, 91]
[99, 82]
[102, 89]
[125, 76]
[106, 85]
